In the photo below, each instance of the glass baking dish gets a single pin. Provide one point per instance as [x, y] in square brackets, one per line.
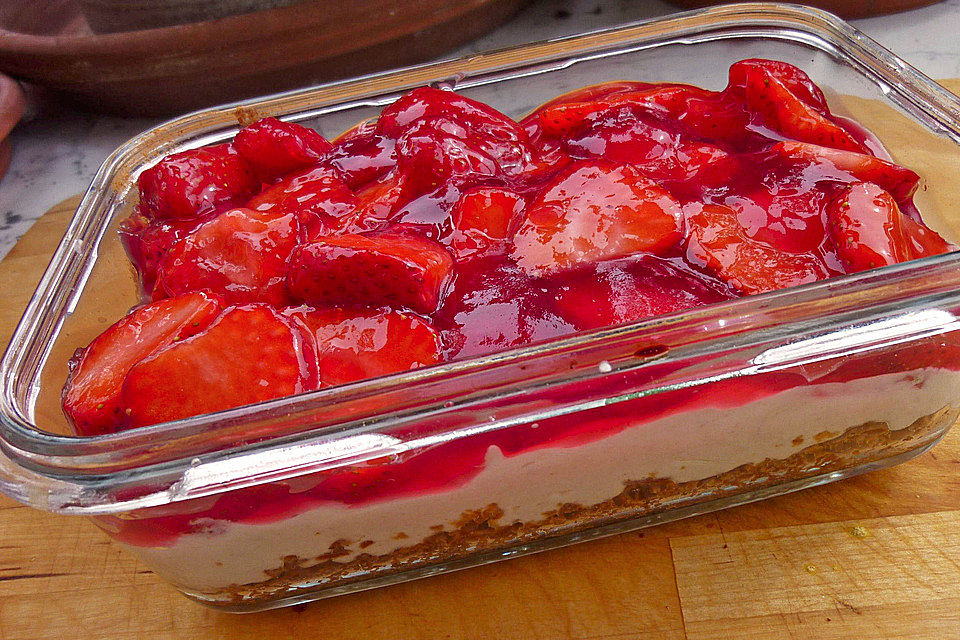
[469, 462]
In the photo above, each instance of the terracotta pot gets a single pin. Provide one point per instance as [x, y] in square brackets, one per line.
[844, 8]
[105, 16]
[183, 67]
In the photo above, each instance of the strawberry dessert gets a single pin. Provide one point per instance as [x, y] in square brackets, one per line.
[283, 263]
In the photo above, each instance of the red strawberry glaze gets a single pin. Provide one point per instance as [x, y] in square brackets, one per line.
[445, 230]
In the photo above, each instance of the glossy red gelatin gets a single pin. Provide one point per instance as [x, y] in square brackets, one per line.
[446, 230]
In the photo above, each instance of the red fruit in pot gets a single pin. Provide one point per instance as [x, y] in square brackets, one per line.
[191, 183]
[241, 254]
[482, 219]
[249, 354]
[320, 200]
[91, 397]
[355, 344]
[595, 212]
[718, 241]
[384, 268]
[274, 148]
[870, 231]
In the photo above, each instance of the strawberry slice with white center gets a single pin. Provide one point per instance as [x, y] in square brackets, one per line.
[91, 397]
[356, 344]
[719, 242]
[594, 212]
[250, 354]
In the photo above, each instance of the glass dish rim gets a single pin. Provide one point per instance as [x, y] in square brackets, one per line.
[39, 459]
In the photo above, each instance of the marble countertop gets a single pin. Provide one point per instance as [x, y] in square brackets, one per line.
[56, 150]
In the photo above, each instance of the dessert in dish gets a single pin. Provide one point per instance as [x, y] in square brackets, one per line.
[281, 263]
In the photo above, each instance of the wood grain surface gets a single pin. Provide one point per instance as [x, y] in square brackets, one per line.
[876, 556]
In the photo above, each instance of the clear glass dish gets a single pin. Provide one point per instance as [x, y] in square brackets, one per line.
[469, 462]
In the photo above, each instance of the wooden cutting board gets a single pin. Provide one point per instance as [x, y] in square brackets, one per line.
[877, 556]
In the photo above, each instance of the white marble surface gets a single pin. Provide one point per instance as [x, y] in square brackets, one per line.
[56, 150]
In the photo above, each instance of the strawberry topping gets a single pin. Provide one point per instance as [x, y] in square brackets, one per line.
[191, 183]
[274, 148]
[241, 254]
[391, 268]
[595, 212]
[249, 354]
[91, 399]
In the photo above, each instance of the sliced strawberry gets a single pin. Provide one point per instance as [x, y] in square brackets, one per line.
[922, 240]
[191, 183]
[632, 289]
[494, 306]
[786, 114]
[241, 254]
[384, 268]
[705, 114]
[718, 241]
[842, 165]
[595, 212]
[378, 201]
[275, 148]
[91, 397]
[718, 119]
[361, 155]
[358, 344]
[870, 231]
[794, 79]
[486, 130]
[147, 243]
[567, 118]
[593, 93]
[433, 150]
[549, 157]
[482, 219]
[428, 103]
[661, 153]
[625, 138]
[250, 354]
[786, 218]
[321, 201]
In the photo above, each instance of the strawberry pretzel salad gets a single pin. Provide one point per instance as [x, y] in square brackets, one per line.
[281, 263]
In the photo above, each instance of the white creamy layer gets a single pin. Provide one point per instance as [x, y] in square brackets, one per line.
[690, 445]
